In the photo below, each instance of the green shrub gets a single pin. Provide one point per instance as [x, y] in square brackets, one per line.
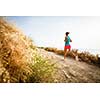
[43, 70]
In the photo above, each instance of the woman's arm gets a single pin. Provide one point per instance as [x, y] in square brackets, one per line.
[70, 40]
[65, 39]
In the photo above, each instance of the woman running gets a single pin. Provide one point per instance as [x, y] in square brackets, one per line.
[67, 44]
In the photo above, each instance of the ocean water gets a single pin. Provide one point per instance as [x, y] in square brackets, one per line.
[91, 51]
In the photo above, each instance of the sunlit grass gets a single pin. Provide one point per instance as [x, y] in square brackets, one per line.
[43, 70]
[19, 60]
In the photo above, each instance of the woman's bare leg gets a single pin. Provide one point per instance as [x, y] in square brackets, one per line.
[65, 53]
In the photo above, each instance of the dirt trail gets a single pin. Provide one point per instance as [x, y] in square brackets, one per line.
[71, 70]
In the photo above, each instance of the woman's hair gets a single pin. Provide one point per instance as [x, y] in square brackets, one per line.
[67, 33]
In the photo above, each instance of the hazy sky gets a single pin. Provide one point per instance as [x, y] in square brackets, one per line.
[50, 31]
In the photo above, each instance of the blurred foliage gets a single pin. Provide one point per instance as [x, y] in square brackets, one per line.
[83, 56]
[43, 70]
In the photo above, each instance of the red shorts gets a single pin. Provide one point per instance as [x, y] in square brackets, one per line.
[67, 47]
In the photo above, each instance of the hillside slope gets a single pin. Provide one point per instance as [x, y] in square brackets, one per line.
[21, 61]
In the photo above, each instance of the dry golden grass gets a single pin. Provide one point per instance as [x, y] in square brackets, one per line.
[18, 61]
[15, 53]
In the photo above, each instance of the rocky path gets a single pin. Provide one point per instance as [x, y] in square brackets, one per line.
[70, 70]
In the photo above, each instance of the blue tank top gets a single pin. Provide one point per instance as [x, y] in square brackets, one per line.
[68, 41]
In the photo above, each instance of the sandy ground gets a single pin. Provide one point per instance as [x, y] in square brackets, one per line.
[70, 70]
